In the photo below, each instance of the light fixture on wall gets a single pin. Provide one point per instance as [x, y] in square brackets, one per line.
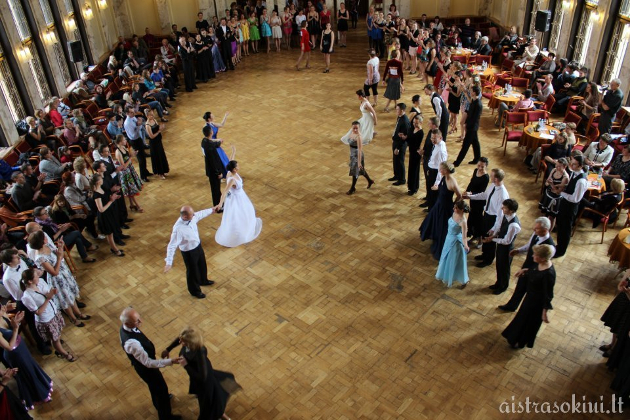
[102, 4]
[71, 24]
[24, 53]
[49, 36]
[566, 4]
[87, 12]
[595, 15]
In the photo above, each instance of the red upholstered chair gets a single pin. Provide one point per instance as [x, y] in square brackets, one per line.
[574, 103]
[542, 165]
[512, 121]
[520, 83]
[547, 105]
[461, 58]
[605, 217]
[593, 121]
[533, 116]
[581, 142]
[592, 134]
[507, 64]
[479, 59]
[572, 117]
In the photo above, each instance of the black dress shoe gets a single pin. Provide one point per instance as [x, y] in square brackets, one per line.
[498, 291]
[400, 183]
[120, 242]
[393, 179]
[506, 308]
[149, 174]
[123, 236]
[456, 164]
[472, 162]
[425, 198]
[80, 305]
[207, 283]
[479, 257]
[493, 287]
[483, 264]
[128, 220]
[199, 295]
[424, 205]
[125, 226]
[411, 192]
[175, 417]
[45, 350]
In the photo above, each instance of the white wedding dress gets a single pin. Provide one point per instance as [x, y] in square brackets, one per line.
[366, 127]
[239, 224]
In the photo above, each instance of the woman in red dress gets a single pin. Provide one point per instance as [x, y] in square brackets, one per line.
[305, 47]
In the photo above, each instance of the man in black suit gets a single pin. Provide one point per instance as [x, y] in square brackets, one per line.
[213, 163]
[503, 235]
[427, 150]
[472, 126]
[541, 236]
[439, 107]
[484, 47]
[223, 33]
[141, 352]
[399, 144]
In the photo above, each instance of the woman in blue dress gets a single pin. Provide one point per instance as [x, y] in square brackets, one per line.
[435, 225]
[453, 266]
[209, 119]
[216, 54]
[34, 386]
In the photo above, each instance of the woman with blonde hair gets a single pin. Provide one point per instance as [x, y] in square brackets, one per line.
[212, 387]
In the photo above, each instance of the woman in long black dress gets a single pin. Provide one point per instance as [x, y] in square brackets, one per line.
[617, 314]
[414, 141]
[35, 387]
[159, 163]
[212, 387]
[435, 225]
[186, 52]
[203, 59]
[524, 327]
[454, 100]
[478, 184]
[107, 222]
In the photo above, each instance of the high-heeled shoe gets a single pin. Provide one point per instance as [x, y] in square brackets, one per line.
[120, 253]
[68, 356]
[351, 191]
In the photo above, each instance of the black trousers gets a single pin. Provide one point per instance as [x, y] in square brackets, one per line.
[564, 223]
[189, 75]
[431, 194]
[444, 126]
[503, 265]
[470, 139]
[413, 174]
[196, 269]
[488, 250]
[138, 146]
[30, 321]
[399, 160]
[75, 238]
[425, 171]
[159, 391]
[215, 188]
[226, 54]
[519, 293]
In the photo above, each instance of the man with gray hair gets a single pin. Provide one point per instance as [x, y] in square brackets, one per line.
[541, 236]
[484, 48]
[610, 104]
[141, 352]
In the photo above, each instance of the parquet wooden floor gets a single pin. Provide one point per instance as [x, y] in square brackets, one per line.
[334, 311]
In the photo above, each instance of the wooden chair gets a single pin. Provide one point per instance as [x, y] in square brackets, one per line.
[461, 58]
[533, 116]
[581, 142]
[513, 119]
[520, 83]
[507, 64]
[593, 121]
[592, 134]
[542, 165]
[573, 104]
[572, 117]
[479, 59]
[605, 217]
[547, 105]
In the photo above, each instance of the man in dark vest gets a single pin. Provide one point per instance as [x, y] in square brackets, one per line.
[505, 230]
[541, 236]
[569, 201]
[472, 126]
[399, 145]
[214, 167]
[440, 109]
[141, 352]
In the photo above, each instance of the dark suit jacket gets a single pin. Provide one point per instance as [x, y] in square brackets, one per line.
[223, 35]
[22, 195]
[402, 126]
[484, 50]
[529, 259]
[214, 166]
[474, 113]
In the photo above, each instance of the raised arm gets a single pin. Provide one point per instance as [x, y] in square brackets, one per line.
[229, 185]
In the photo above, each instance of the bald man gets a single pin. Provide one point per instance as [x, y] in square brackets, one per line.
[186, 236]
[141, 352]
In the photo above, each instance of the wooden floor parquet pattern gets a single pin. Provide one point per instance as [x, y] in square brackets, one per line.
[334, 311]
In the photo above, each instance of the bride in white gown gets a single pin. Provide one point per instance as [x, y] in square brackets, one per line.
[366, 123]
[239, 224]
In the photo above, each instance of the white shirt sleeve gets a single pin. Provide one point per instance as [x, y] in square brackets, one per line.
[202, 214]
[513, 230]
[172, 246]
[580, 189]
[134, 348]
[438, 107]
[525, 247]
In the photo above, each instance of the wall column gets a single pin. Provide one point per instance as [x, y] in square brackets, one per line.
[123, 23]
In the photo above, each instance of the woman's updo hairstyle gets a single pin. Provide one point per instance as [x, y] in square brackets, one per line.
[448, 166]
[207, 115]
[462, 205]
[361, 93]
[27, 276]
[231, 165]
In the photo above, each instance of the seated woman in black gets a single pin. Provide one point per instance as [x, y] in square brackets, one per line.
[560, 148]
[61, 212]
[619, 168]
[605, 202]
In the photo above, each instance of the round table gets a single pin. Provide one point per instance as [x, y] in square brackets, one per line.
[497, 98]
[619, 250]
[532, 139]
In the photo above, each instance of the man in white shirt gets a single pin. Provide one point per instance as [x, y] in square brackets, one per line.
[494, 195]
[569, 200]
[438, 155]
[133, 127]
[503, 235]
[185, 236]
[141, 352]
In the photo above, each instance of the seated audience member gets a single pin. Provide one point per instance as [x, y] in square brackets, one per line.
[44, 122]
[133, 64]
[62, 108]
[575, 88]
[50, 165]
[140, 52]
[140, 96]
[547, 67]
[81, 175]
[124, 42]
[55, 117]
[484, 48]
[71, 237]
[544, 89]
[160, 93]
[115, 125]
[589, 105]
[61, 212]
[452, 38]
[65, 155]
[160, 80]
[467, 34]
[78, 119]
[168, 51]
[23, 195]
[148, 37]
[509, 41]
[524, 102]
[36, 135]
[559, 73]
[599, 154]
[475, 42]
[605, 202]
[120, 53]
[529, 55]
[73, 135]
[620, 168]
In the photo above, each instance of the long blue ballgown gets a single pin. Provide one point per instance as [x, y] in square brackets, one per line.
[453, 266]
[224, 157]
[435, 225]
[216, 57]
[34, 385]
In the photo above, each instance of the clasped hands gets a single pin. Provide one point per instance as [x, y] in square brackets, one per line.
[176, 361]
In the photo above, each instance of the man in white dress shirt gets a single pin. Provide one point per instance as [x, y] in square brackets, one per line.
[569, 200]
[494, 195]
[185, 235]
[503, 235]
[438, 155]
[141, 352]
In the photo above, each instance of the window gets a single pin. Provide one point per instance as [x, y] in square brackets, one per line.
[68, 6]
[584, 35]
[28, 50]
[9, 90]
[48, 16]
[618, 44]
[61, 60]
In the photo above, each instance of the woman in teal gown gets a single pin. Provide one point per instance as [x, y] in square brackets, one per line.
[453, 266]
